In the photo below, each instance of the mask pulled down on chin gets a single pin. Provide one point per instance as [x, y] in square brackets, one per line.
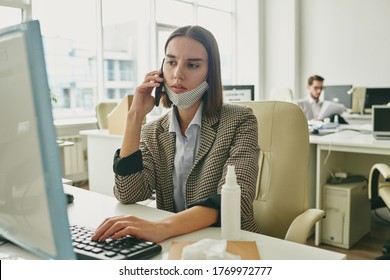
[188, 98]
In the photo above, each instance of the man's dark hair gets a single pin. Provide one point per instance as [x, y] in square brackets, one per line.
[314, 78]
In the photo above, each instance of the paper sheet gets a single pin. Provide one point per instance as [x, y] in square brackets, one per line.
[329, 108]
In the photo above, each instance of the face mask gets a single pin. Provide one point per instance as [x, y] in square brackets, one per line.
[186, 99]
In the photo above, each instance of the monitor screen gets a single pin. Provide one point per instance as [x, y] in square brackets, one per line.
[33, 209]
[339, 94]
[238, 93]
[376, 96]
[380, 120]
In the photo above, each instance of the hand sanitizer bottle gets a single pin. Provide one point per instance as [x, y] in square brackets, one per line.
[231, 207]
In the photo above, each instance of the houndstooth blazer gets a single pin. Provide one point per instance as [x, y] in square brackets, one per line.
[231, 138]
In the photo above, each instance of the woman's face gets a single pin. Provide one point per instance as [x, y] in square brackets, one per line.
[186, 64]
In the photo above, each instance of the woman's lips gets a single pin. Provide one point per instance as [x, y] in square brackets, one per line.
[177, 88]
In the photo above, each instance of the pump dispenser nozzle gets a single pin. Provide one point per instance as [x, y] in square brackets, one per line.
[231, 179]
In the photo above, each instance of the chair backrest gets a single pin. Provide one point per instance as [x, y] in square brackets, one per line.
[102, 111]
[282, 189]
[281, 94]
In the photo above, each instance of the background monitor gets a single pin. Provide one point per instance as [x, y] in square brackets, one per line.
[381, 121]
[376, 96]
[238, 93]
[339, 94]
[33, 208]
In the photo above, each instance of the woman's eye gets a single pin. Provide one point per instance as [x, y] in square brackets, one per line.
[170, 62]
[191, 65]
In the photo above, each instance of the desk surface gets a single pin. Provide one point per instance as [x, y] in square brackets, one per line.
[87, 210]
[353, 139]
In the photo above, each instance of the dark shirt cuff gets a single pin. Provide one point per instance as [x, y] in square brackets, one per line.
[214, 202]
[128, 165]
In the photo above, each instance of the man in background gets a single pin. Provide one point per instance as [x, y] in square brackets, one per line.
[311, 104]
[316, 109]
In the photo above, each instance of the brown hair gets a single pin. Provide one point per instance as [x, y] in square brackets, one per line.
[314, 78]
[212, 98]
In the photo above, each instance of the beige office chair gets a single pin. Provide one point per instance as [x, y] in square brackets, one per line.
[281, 94]
[379, 195]
[379, 190]
[102, 111]
[281, 203]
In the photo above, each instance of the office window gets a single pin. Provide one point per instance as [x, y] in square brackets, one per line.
[100, 49]
[69, 35]
[10, 16]
[125, 68]
[126, 44]
[218, 22]
[110, 93]
[173, 12]
[222, 5]
[216, 16]
[110, 69]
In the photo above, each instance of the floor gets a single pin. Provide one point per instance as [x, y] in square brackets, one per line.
[370, 246]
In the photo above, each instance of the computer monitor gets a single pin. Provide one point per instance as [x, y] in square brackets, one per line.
[33, 207]
[339, 94]
[376, 96]
[238, 93]
[380, 121]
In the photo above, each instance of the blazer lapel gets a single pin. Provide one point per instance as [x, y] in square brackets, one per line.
[207, 137]
[167, 145]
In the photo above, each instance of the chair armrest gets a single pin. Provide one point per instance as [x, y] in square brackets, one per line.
[376, 170]
[384, 169]
[301, 226]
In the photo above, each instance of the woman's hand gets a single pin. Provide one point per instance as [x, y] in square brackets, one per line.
[143, 101]
[117, 227]
[142, 104]
[189, 220]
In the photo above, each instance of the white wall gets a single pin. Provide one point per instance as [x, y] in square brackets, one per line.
[345, 41]
[279, 45]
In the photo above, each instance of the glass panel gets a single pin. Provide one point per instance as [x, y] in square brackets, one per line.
[110, 69]
[220, 24]
[126, 45]
[69, 36]
[174, 13]
[224, 5]
[162, 36]
[10, 16]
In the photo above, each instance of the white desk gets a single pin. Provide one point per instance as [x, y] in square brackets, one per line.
[101, 148]
[357, 118]
[348, 151]
[87, 210]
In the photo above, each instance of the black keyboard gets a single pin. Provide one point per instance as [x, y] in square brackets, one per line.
[125, 248]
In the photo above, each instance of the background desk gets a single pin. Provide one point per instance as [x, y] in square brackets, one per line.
[347, 151]
[101, 147]
[87, 210]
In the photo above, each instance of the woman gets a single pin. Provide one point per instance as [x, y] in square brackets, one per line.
[183, 155]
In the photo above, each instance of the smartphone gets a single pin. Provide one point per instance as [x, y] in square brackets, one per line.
[159, 90]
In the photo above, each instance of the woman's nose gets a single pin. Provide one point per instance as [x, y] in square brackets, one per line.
[179, 73]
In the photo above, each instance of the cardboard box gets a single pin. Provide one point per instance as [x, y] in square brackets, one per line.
[247, 250]
[117, 118]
